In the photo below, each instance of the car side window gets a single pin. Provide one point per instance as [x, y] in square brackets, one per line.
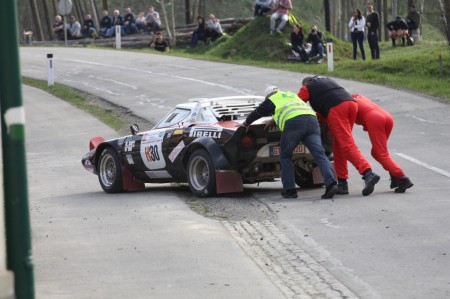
[175, 116]
[206, 116]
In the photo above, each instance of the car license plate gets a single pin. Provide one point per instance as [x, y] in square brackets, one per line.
[275, 150]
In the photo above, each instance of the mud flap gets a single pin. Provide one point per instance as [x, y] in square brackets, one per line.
[128, 182]
[317, 176]
[228, 181]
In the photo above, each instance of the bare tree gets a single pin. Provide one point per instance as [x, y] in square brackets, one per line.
[166, 21]
[444, 6]
[187, 12]
[385, 20]
[36, 20]
[326, 6]
[48, 19]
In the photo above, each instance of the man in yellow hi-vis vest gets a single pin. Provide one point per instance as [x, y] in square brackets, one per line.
[298, 123]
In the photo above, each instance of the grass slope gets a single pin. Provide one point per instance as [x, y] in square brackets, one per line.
[415, 67]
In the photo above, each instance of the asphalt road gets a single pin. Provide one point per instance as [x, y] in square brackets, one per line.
[385, 245]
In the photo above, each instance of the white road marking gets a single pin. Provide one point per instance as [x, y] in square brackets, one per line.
[421, 163]
[328, 223]
[230, 88]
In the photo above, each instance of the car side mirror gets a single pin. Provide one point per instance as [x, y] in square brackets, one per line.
[134, 128]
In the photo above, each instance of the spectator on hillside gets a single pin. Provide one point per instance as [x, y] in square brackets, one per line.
[88, 28]
[141, 24]
[297, 39]
[414, 20]
[199, 33]
[213, 30]
[73, 28]
[159, 44]
[153, 20]
[129, 22]
[282, 8]
[262, 7]
[373, 23]
[397, 29]
[117, 20]
[58, 28]
[105, 23]
[315, 38]
[357, 24]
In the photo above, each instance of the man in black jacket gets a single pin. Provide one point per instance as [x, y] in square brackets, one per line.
[373, 23]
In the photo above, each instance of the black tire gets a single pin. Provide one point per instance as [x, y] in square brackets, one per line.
[304, 180]
[109, 171]
[201, 174]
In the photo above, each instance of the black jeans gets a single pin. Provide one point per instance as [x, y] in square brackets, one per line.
[372, 38]
[358, 37]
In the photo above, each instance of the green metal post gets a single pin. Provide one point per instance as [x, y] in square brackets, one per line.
[17, 219]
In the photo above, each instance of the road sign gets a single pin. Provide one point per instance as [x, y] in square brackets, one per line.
[65, 7]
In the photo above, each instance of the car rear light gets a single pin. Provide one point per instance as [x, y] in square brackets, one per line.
[247, 142]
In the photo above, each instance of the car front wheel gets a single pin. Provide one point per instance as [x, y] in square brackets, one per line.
[201, 174]
[109, 171]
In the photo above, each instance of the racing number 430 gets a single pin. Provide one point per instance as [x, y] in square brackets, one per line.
[151, 153]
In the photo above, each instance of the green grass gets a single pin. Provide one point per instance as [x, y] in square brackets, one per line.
[414, 68]
[82, 101]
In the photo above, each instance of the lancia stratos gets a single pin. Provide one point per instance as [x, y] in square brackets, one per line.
[200, 143]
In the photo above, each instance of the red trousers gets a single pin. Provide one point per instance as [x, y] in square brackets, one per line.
[378, 123]
[341, 119]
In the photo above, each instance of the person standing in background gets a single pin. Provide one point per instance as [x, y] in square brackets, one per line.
[373, 24]
[356, 24]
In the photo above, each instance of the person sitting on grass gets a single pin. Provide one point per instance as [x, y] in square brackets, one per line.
[159, 44]
[315, 37]
[397, 29]
[213, 30]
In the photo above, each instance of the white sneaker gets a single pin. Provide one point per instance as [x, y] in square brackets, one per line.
[320, 61]
[279, 31]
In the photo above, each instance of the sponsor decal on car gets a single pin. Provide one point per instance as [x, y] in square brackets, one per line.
[129, 145]
[206, 132]
[151, 150]
[176, 151]
[130, 160]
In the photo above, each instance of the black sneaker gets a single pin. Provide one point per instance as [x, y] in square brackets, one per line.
[394, 182]
[289, 193]
[330, 191]
[403, 184]
[370, 179]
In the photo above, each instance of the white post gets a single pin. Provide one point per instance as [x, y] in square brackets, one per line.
[51, 74]
[330, 56]
[118, 37]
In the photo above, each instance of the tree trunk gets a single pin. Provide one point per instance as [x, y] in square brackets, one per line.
[385, 20]
[444, 6]
[173, 22]
[49, 19]
[187, 12]
[166, 22]
[95, 14]
[105, 4]
[394, 8]
[36, 20]
[326, 6]
[202, 8]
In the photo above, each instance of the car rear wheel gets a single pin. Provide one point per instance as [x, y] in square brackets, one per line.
[109, 171]
[201, 174]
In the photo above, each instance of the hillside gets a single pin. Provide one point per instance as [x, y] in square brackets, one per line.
[254, 42]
